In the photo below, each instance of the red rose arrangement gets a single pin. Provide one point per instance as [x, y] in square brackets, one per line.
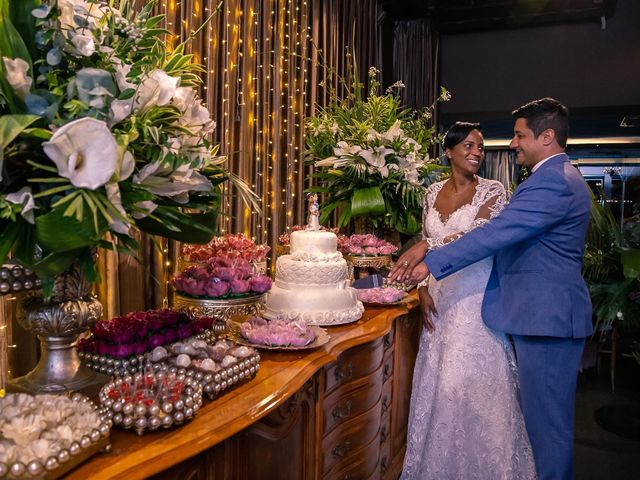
[230, 246]
[221, 278]
[364, 245]
[139, 332]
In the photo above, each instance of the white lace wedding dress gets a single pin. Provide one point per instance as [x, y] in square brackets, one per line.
[465, 421]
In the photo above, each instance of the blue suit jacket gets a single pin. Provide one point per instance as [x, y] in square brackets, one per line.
[536, 286]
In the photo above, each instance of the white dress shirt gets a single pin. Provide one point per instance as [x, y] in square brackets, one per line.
[539, 164]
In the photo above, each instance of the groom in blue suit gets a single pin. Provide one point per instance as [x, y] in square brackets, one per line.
[536, 291]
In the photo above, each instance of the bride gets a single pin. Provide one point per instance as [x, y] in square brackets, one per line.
[465, 421]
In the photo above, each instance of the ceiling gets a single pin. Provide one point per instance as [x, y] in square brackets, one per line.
[458, 16]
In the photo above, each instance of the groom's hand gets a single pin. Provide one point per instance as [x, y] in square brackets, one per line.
[418, 274]
[407, 262]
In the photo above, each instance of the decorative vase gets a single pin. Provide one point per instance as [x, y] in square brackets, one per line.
[57, 323]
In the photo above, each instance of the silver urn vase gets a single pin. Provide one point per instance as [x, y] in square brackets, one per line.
[72, 310]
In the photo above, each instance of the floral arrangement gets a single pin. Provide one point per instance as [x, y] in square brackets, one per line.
[364, 245]
[221, 278]
[374, 156]
[228, 246]
[285, 238]
[140, 332]
[36, 429]
[102, 134]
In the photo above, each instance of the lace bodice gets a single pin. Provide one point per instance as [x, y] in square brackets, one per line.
[436, 229]
[465, 421]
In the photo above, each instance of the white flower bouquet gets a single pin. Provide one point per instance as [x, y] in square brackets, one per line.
[102, 133]
[374, 157]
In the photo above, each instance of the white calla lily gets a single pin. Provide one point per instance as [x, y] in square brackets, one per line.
[119, 224]
[84, 151]
[16, 70]
[23, 197]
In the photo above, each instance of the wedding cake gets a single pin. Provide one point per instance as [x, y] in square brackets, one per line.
[311, 283]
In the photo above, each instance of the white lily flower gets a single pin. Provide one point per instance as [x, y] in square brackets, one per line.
[373, 135]
[376, 156]
[326, 162]
[156, 90]
[16, 75]
[343, 149]
[24, 197]
[127, 166]
[196, 116]
[84, 151]
[393, 132]
[163, 181]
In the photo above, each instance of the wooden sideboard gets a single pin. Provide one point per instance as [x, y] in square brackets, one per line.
[339, 412]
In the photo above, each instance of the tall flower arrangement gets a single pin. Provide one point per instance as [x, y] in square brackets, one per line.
[373, 156]
[102, 134]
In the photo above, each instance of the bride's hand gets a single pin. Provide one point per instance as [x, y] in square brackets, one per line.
[407, 261]
[427, 308]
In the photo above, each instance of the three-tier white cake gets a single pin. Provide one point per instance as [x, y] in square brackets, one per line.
[312, 283]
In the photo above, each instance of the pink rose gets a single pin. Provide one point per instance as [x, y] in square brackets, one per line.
[387, 249]
[369, 241]
[226, 273]
[355, 250]
[370, 250]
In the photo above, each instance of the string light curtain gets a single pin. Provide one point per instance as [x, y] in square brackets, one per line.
[264, 62]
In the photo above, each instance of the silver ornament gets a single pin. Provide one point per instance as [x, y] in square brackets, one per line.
[63, 456]
[34, 468]
[51, 463]
[18, 469]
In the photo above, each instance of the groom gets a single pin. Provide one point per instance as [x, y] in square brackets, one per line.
[536, 291]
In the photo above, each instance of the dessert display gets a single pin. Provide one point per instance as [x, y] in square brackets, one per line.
[311, 283]
[229, 247]
[218, 366]
[117, 346]
[220, 278]
[150, 400]
[380, 295]
[368, 244]
[279, 333]
[47, 435]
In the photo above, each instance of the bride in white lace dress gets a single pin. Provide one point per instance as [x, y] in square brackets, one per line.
[465, 421]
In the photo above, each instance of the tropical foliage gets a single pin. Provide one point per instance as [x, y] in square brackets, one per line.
[612, 267]
[102, 134]
[373, 156]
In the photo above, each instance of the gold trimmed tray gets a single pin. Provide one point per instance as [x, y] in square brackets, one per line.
[322, 338]
[222, 309]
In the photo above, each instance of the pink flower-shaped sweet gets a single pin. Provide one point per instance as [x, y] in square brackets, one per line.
[387, 249]
[369, 241]
[355, 250]
[371, 250]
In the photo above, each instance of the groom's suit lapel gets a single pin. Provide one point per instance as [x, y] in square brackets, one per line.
[535, 176]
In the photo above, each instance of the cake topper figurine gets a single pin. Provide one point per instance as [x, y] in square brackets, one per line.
[313, 222]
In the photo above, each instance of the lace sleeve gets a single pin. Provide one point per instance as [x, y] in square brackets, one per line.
[429, 200]
[490, 200]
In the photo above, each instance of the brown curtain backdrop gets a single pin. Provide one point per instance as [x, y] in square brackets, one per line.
[264, 61]
[415, 61]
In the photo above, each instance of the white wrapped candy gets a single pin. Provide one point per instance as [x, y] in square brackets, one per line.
[228, 361]
[159, 353]
[183, 360]
[208, 364]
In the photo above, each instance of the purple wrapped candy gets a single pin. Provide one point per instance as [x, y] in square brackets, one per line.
[239, 286]
[216, 289]
[261, 283]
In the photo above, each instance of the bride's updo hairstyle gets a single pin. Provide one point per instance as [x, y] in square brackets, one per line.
[457, 133]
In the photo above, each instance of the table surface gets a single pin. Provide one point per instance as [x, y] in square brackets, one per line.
[281, 374]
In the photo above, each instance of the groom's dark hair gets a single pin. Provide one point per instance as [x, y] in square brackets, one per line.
[546, 113]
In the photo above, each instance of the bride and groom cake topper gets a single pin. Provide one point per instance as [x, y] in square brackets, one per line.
[313, 218]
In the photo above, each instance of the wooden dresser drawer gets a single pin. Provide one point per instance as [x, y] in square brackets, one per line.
[387, 365]
[363, 466]
[339, 446]
[385, 444]
[342, 405]
[353, 364]
[388, 339]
